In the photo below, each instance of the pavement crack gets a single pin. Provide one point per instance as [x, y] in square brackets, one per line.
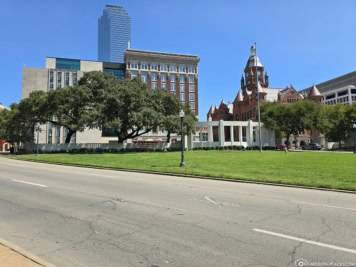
[131, 252]
[325, 232]
[293, 253]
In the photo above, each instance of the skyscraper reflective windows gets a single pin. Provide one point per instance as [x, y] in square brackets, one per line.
[114, 34]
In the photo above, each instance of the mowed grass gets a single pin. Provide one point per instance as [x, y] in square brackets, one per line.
[327, 170]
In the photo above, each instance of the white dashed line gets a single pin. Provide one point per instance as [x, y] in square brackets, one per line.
[307, 241]
[40, 185]
[328, 206]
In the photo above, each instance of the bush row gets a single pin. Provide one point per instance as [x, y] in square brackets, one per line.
[128, 150]
[233, 148]
[95, 150]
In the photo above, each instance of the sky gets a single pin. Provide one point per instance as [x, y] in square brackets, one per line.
[298, 42]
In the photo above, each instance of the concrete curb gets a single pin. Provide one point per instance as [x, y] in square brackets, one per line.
[192, 176]
[26, 254]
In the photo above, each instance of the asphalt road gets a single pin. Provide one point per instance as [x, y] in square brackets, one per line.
[85, 217]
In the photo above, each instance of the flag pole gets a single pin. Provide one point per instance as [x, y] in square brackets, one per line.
[258, 102]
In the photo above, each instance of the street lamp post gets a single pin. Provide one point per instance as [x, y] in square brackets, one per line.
[38, 130]
[354, 127]
[181, 115]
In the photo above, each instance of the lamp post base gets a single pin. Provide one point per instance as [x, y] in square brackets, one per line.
[182, 164]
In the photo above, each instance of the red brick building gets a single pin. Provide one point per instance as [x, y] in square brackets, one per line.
[244, 107]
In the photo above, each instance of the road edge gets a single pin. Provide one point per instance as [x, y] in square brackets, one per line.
[216, 178]
[26, 254]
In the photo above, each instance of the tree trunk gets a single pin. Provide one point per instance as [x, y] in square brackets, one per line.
[69, 136]
[340, 144]
[287, 141]
[168, 137]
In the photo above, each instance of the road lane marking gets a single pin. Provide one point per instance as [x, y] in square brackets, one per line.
[328, 206]
[307, 241]
[40, 185]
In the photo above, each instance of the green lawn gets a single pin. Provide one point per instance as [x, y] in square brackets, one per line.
[328, 170]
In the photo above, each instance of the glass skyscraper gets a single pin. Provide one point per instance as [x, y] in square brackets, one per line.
[114, 34]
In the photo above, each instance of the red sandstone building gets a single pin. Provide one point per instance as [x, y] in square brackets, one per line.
[244, 107]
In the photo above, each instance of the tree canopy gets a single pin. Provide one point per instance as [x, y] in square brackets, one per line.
[101, 101]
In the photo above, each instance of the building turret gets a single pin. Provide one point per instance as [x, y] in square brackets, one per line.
[242, 81]
[266, 78]
[315, 95]
[250, 71]
[210, 113]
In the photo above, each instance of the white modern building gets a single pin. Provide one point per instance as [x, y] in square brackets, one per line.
[341, 89]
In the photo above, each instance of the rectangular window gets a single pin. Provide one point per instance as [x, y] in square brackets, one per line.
[173, 87]
[173, 68]
[144, 77]
[49, 133]
[353, 91]
[191, 97]
[342, 93]
[191, 79]
[181, 68]
[154, 67]
[191, 69]
[191, 88]
[67, 79]
[58, 135]
[182, 87]
[133, 65]
[153, 85]
[182, 79]
[163, 67]
[164, 86]
[59, 79]
[154, 77]
[164, 77]
[133, 75]
[182, 97]
[192, 105]
[173, 78]
[67, 64]
[75, 78]
[51, 80]
[144, 66]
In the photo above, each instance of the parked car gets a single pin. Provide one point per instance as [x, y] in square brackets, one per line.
[313, 146]
[282, 146]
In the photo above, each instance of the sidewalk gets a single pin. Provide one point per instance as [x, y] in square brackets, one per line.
[13, 256]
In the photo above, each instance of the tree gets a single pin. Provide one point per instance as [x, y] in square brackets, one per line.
[291, 119]
[15, 127]
[130, 109]
[338, 125]
[171, 106]
[71, 108]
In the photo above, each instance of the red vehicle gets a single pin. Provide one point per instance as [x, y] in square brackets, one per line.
[282, 146]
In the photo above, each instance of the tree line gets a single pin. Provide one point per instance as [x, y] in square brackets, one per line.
[99, 101]
[334, 121]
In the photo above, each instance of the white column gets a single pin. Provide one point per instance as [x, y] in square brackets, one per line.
[210, 133]
[349, 96]
[221, 133]
[232, 134]
[249, 137]
[201, 135]
[240, 134]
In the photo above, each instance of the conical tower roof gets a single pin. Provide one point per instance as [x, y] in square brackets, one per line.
[314, 91]
[239, 97]
[211, 110]
[223, 104]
